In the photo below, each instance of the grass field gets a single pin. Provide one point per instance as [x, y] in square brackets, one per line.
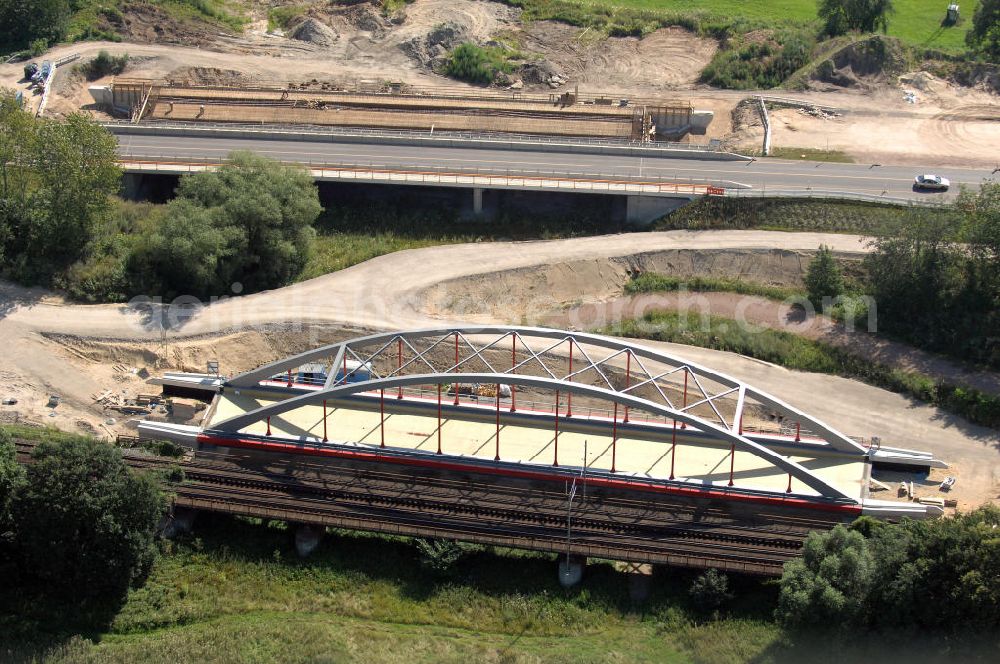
[812, 154]
[789, 214]
[353, 232]
[235, 592]
[916, 22]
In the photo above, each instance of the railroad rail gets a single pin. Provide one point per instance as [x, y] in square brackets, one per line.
[525, 515]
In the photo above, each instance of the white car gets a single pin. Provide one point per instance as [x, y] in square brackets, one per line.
[931, 182]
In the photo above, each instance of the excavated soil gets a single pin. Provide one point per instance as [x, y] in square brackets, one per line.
[668, 59]
[528, 295]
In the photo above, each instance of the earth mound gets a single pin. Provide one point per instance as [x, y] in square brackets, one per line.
[862, 65]
[314, 31]
[432, 49]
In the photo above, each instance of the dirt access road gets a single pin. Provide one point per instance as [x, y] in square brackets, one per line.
[948, 124]
[72, 350]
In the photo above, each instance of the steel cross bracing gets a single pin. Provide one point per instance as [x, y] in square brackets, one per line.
[550, 359]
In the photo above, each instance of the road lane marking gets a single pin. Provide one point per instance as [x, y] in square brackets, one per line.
[569, 168]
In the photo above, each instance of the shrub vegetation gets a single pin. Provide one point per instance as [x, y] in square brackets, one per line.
[477, 64]
[937, 285]
[823, 279]
[755, 62]
[984, 36]
[104, 64]
[651, 282]
[934, 576]
[24, 22]
[250, 222]
[841, 16]
[83, 522]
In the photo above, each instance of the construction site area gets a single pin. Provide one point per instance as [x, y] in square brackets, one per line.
[405, 107]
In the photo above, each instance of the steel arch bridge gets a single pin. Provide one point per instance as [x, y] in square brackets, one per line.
[591, 385]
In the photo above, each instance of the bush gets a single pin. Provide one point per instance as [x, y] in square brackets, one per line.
[759, 64]
[651, 282]
[823, 279]
[829, 586]
[710, 591]
[105, 64]
[83, 522]
[984, 36]
[840, 16]
[11, 477]
[936, 293]
[476, 64]
[936, 575]
[24, 22]
[250, 221]
[38, 46]
[439, 556]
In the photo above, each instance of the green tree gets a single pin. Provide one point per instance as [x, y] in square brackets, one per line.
[830, 584]
[936, 279]
[841, 16]
[942, 572]
[984, 35]
[72, 177]
[23, 21]
[823, 278]
[710, 591]
[17, 141]
[84, 523]
[184, 251]
[11, 477]
[251, 221]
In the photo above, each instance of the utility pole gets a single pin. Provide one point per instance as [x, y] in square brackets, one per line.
[569, 501]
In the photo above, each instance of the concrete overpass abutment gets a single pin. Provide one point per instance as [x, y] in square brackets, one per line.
[643, 210]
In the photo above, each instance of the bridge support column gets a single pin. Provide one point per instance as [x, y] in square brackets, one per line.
[307, 539]
[179, 522]
[477, 201]
[640, 576]
[644, 210]
[571, 570]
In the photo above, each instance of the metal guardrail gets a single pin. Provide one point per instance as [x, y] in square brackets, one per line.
[489, 137]
[785, 101]
[480, 177]
[830, 194]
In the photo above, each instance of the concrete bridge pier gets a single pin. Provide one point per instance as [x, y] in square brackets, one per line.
[307, 539]
[180, 521]
[571, 570]
[644, 210]
[477, 201]
[640, 578]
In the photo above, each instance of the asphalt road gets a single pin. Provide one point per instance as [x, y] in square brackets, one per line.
[760, 175]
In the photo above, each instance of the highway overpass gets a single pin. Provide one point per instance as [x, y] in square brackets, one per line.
[581, 167]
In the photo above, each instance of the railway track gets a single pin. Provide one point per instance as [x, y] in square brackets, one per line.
[635, 528]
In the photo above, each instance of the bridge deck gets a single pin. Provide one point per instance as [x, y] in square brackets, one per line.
[642, 450]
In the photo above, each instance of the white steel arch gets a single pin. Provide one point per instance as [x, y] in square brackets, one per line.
[419, 361]
[447, 355]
